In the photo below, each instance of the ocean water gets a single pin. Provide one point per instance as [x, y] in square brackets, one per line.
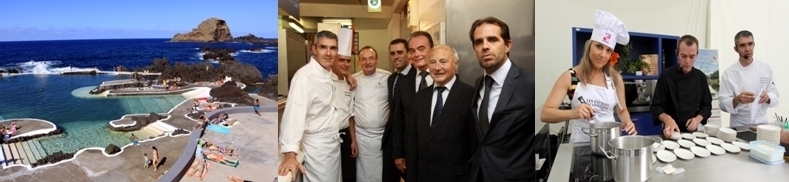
[41, 93]
[44, 57]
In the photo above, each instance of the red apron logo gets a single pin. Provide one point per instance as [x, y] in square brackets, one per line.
[606, 37]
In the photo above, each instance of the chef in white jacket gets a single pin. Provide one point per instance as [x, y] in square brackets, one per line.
[746, 87]
[343, 102]
[371, 106]
[309, 122]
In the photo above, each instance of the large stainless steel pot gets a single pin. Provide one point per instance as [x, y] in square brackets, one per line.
[633, 157]
[601, 133]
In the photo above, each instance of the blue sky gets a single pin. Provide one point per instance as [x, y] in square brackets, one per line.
[105, 19]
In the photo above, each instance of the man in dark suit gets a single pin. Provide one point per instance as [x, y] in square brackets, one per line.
[441, 133]
[503, 107]
[398, 53]
[419, 45]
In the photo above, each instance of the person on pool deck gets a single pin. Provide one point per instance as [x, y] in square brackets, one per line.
[682, 100]
[595, 88]
[133, 138]
[256, 106]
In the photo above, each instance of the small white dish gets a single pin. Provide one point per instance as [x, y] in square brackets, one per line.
[714, 140]
[671, 145]
[701, 152]
[657, 147]
[743, 146]
[688, 136]
[730, 148]
[686, 143]
[700, 135]
[768, 129]
[684, 154]
[701, 142]
[666, 156]
[676, 136]
[715, 149]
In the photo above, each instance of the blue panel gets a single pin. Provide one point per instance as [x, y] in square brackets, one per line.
[645, 125]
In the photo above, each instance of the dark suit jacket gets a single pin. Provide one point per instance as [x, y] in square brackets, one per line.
[444, 154]
[507, 150]
[403, 99]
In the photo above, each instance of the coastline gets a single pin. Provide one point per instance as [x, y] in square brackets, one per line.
[196, 93]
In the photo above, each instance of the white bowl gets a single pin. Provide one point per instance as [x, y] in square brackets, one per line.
[711, 129]
[727, 134]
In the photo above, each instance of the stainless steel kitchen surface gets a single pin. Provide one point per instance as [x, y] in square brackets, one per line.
[576, 163]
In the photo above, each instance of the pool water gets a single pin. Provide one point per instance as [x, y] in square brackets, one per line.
[63, 100]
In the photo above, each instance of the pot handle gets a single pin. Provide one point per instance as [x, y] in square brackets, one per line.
[588, 131]
[609, 155]
[658, 140]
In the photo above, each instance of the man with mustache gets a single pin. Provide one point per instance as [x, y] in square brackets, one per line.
[441, 139]
[419, 45]
[371, 108]
[747, 88]
[398, 53]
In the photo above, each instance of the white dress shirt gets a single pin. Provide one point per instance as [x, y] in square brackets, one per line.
[309, 110]
[444, 96]
[343, 101]
[428, 78]
[498, 78]
[371, 105]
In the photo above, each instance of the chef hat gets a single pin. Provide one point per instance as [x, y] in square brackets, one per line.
[344, 41]
[609, 30]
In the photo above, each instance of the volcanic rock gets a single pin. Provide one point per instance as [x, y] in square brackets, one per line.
[210, 30]
[229, 92]
[26, 138]
[112, 149]
[179, 131]
[269, 87]
[243, 72]
[53, 158]
[252, 39]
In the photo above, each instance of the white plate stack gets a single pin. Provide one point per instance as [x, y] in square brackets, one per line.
[768, 133]
[727, 134]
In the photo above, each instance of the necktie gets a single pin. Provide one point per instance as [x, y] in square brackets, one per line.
[423, 84]
[483, 108]
[438, 108]
[394, 84]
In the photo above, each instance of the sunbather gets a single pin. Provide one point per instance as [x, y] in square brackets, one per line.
[236, 179]
[221, 150]
[220, 158]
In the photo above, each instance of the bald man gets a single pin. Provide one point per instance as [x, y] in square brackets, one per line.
[371, 109]
[441, 141]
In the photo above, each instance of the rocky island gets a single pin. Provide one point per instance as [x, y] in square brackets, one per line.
[217, 30]
[210, 30]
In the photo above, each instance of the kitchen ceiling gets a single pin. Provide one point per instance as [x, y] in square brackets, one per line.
[347, 2]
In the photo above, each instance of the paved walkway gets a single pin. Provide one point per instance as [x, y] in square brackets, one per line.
[256, 136]
[92, 165]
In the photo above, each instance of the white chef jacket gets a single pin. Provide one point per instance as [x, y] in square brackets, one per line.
[309, 123]
[736, 79]
[371, 108]
[343, 101]
[371, 105]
